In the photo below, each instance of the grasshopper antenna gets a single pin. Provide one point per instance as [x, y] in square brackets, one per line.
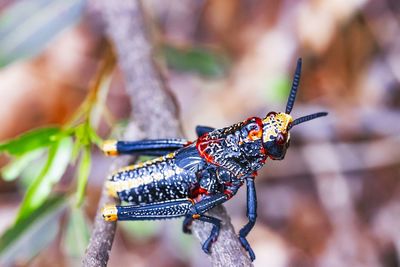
[308, 118]
[293, 90]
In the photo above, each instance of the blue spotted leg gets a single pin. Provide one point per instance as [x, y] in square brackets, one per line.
[205, 205]
[174, 209]
[156, 211]
[251, 215]
[157, 147]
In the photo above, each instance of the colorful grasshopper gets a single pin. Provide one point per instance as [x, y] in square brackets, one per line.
[190, 178]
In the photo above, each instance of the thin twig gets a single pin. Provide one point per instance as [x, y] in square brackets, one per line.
[155, 112]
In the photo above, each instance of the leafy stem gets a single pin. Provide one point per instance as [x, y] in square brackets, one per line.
[56, 148]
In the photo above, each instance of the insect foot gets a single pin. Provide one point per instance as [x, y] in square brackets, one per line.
[246, 246]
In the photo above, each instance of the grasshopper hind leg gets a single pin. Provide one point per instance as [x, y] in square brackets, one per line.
[156, 211]
[156, 147]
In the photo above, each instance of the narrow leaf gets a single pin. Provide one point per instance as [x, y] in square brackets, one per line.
[75, 150]
[94, 138]
[81, 133]
[83, 174]
[31, 140]
[40, 188]
[14, 169]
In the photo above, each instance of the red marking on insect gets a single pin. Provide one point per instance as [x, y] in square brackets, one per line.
[255, 134]
[228, 183]
[197, 191]
[203, 143]
[280, 139]
[228, 193]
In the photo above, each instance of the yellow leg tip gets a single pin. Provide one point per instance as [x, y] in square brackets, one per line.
[109, 147]
[110, 213]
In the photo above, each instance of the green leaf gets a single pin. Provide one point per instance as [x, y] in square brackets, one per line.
[77, 235]
[85, 135]
[83, 174]
[75, 150]
[28, 25]
[94, 138]
[31, 140]
[81, 133]
[29, 236]
[196, 59]
[40, 188]
[14, 169]
[33, 170]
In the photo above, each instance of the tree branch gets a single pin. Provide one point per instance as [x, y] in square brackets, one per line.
[155, 112]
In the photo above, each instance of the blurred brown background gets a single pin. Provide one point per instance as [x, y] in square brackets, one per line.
[333, 201]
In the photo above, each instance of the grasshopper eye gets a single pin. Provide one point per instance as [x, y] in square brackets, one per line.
[280, 139]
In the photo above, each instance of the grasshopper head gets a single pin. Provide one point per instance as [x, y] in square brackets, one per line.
[276, 126]
[276, 136]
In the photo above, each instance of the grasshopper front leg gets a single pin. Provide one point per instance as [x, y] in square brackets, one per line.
[204, 205]
[251, 214]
